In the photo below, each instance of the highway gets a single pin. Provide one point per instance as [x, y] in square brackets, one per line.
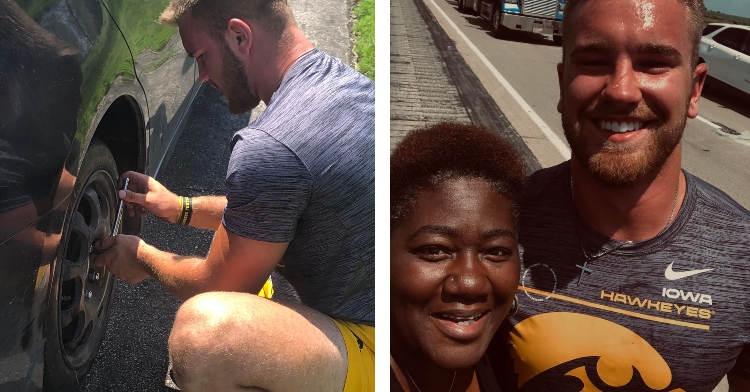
[519, 72]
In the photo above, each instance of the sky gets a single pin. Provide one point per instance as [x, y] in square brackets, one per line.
[732, 7]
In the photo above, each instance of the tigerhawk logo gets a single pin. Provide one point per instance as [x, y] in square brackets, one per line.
[577, 352]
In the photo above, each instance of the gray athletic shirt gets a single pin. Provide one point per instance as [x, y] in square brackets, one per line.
[670, 313]
[303, 172]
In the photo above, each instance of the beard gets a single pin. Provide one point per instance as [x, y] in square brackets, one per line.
[624, 163]
[239, 97]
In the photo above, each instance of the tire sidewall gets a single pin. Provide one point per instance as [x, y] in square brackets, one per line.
[495, 20]
[58, 375]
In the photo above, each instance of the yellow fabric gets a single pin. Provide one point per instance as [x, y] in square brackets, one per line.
[267, 290]
[360, 348]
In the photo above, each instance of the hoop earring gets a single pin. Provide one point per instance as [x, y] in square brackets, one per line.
[513, 308]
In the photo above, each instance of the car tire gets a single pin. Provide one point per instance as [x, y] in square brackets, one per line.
[498, 30]
[81, 294]
[462, 6]
[557, 39]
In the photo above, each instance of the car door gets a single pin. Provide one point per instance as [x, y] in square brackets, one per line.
[46, 52]
[742, 66]
[721, 57]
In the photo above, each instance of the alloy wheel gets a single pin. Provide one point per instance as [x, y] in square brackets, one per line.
[84, 288]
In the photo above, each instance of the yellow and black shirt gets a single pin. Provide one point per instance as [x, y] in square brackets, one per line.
[667, 314]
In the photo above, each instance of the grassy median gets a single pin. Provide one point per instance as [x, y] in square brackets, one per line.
[364, 36]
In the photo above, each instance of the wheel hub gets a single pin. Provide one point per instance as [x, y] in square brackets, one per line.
[84, 287]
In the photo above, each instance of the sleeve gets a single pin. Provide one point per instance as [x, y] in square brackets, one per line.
[268, 187]
[742, 366]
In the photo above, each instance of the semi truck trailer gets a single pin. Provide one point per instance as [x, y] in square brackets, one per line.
[537, 16]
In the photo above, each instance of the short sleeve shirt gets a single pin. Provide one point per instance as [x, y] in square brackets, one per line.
[303, 173]
[666, 314]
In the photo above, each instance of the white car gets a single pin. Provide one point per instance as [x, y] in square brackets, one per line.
[726, 50]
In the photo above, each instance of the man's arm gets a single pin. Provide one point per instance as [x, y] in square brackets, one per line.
[208, 211]
[234, 263]
[145, 194]
[268, 188]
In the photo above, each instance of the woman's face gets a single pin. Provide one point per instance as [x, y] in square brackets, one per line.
[454, 273]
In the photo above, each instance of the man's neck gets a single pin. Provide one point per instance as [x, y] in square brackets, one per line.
[630, 213]
[289, 49]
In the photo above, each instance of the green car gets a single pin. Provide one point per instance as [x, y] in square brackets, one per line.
[88, 90]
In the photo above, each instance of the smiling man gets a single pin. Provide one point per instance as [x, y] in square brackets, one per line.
[634, 272]
[299, 199]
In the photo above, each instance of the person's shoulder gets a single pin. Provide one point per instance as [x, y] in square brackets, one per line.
[334, 77]
[718, 201]
[539, 182]
[255, 146]
[319, 88]
[331, 61]
[252, 137]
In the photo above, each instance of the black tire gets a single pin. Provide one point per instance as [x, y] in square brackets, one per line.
[462, 6]
[557, 39]
[498, 30]
[75, 325]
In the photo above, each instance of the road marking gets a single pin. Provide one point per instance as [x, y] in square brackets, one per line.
[712, 125]
[717, 128]
[561, 146]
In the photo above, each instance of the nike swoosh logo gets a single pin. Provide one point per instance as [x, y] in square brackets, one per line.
[674, 275]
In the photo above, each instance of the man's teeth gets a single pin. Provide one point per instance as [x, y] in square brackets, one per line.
[621, 127]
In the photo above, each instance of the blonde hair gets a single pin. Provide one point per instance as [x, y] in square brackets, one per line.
[272, 15]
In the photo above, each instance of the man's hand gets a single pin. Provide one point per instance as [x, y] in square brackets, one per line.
[120, 256]
[146, 194]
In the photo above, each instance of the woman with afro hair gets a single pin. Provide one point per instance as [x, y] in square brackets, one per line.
[455, 198]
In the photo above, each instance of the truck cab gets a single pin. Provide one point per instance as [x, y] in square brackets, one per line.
[537, 16]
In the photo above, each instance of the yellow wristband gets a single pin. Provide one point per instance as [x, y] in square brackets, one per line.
[186, 210]
[182, 211]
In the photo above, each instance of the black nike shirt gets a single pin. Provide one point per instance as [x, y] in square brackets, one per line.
[670, 313]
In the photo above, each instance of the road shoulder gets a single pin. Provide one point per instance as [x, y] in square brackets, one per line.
[539, 145]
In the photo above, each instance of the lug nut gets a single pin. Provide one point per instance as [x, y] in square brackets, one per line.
[88, 294]
[94, 276]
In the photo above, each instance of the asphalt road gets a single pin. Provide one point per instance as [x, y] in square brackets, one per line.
[133, 356]
[528, 62]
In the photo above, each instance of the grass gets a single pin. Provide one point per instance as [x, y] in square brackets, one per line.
[364, 37]
[109, 57]
[160, 61]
